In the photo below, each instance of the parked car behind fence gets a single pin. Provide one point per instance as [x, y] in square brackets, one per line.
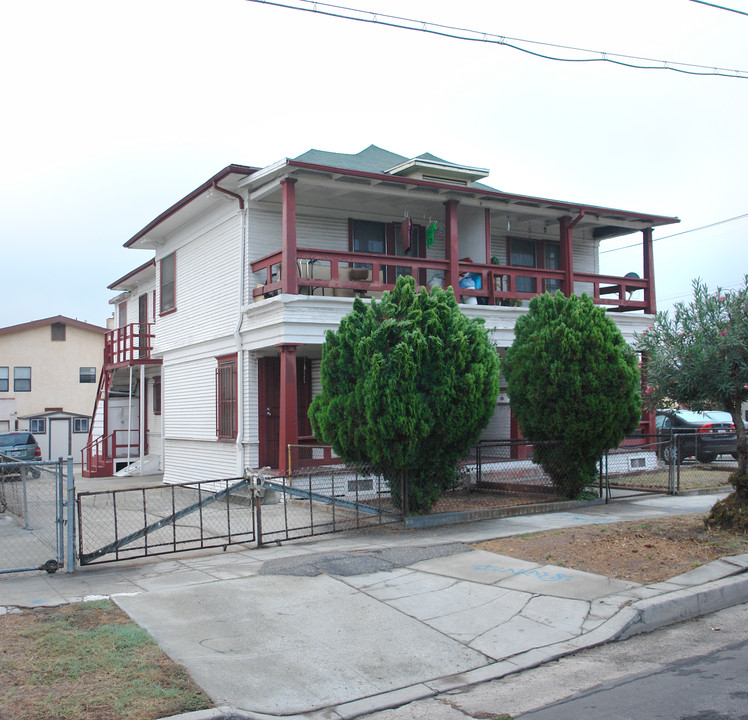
[20, 446]
[705, 435]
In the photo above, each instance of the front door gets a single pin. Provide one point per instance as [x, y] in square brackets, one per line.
[268, 408]
[59, 438]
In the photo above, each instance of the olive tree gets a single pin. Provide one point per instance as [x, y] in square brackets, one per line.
[698, 357]
[408, 383]
[574, 386]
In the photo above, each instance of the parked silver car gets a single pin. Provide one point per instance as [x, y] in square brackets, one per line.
[21, 446]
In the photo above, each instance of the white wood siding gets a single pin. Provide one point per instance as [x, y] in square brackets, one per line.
[323, 233]
[189, 393]
[499, 426]
[265, 233]
[190, 461]
[251, 422]
[207, 287]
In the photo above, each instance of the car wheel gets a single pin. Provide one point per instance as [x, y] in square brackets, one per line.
[705, 457]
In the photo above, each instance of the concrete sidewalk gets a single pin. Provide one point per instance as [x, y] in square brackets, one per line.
[350, 624]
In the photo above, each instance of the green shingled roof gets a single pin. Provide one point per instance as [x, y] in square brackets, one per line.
[373, 159]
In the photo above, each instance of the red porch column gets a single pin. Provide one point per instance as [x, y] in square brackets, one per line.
[452, 247]
[649, 272]
[567, 257]
[288, 246]
[289, 423]
[487, 216]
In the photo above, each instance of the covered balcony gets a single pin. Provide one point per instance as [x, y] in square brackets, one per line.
[335, 234]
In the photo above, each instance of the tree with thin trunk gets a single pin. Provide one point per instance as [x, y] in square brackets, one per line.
[408, 384]
[698, 357]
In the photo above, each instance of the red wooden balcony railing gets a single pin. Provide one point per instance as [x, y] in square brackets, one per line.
[319, 270]
[129, 344]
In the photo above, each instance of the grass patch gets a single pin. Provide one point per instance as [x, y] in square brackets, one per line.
[88, 661]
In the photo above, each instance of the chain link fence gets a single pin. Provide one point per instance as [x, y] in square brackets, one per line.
[323, 499]
[138, 522]
[31, 515]
[509, 474]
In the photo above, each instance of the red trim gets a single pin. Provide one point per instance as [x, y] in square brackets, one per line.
[160, 285]
[51, 321]
[488, 193]
[187, 199]
[224, 363]
[216, 186]
[131, 274]
[452, 247]
[487, 225]
[289, 275]
[289, 425]
[649, 292]
[567, 258]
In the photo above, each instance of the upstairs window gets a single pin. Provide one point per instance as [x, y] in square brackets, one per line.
[4, 379]
[226, 397]
[168, 283]
[58, 332]
[369, 237]
[22, 379]
[522, 254]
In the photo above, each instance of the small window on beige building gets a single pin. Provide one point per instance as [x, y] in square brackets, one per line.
[88, 374]
[58, 332]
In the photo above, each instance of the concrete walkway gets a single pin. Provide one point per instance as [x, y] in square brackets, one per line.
[346, 625]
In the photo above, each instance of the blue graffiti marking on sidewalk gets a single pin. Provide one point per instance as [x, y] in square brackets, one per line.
[541, 575]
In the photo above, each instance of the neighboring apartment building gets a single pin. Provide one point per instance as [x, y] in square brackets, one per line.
[48, 374]
[255, 265]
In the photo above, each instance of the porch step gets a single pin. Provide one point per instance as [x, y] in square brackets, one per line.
[149, 465]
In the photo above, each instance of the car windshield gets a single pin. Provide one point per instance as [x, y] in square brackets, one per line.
[14, 439]
[718, 415]
[692, 417]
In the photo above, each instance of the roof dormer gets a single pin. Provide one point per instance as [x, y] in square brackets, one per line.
[429, 167]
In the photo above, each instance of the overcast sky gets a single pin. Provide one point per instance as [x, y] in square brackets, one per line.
[114, 111]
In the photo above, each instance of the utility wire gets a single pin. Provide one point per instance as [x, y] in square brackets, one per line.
[457, 33]
[683, 232]
[720, 7]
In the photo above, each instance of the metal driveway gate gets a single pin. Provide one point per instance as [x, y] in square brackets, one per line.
[32, 520]
[138, 522]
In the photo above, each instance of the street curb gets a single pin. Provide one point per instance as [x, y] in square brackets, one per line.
[642, 616]
[686, 604]
[420, 522]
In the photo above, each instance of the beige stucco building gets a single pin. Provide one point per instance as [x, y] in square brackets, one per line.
[49, 373]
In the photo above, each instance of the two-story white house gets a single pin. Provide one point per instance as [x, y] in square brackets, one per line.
[255, 265]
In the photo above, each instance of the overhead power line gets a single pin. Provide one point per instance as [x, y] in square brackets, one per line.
[720, 7]
[683, 232]
[458, 33]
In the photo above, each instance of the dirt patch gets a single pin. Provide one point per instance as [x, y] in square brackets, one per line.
[640, 551]
[88, 661]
